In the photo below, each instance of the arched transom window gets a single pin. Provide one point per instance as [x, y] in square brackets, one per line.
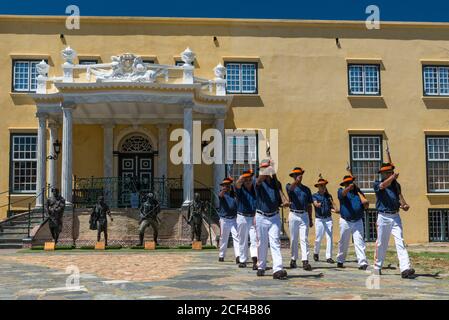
[136, 143]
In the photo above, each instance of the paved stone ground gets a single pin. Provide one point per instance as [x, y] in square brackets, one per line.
[196, 275]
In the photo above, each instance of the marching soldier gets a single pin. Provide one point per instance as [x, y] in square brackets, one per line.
[148, 216]
[268, 221]
[351, 214]
[195, 219]
[99, 217]
[55, 206]
[228, 223]
[324, 206]
[300, 218]
[389, 200]
[246, 210]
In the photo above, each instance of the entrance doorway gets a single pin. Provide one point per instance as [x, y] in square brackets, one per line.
[136, 164]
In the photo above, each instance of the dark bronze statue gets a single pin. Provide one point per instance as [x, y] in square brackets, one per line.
[195, 219]
[55, 206]
[149, 210]
[98, 219]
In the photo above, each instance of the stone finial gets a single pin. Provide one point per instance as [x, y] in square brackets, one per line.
[42, 68]
[188, 56]
[220, 71]
[68, 54]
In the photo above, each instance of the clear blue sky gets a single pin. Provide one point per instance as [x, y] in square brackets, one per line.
[391, 10]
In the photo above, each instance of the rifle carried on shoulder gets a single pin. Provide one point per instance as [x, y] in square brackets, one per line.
[365, 201]
[398, 190]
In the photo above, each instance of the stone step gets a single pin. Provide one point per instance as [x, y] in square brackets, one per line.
[10, 246]
[12, 238]
[15, 230]
[23, 223]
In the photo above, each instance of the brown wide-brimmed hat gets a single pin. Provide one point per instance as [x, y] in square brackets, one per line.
[226, 182]
[295, 171]
[248, 173]
[386, 167]
[347, 179]
[321, 182]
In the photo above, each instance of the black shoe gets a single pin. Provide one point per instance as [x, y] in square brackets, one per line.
[220, 259]
[242, 265]
[254, 263]
[306, 266]
[260, 272]
[293, 264]
[408, 274]
[316, 257]
[340, 265]
[363, 267]
[330, 261]
[237, 260]
[280, 275]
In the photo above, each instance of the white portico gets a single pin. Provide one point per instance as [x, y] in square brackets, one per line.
[126, 91]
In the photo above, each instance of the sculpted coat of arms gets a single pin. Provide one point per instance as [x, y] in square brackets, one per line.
[128, 68]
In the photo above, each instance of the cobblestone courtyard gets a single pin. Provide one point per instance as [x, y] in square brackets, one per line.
[183, 274]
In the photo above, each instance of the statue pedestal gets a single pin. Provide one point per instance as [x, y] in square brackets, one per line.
[197, 245]
[49, 246]
[100, 245]
[150, 245]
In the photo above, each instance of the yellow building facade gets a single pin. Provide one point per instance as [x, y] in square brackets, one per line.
[335, 92]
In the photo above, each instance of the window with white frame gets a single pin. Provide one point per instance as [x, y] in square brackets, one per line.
[88, 61]
[241, 153]
[241, 77]
[366, 160]
[436, 80]
[364, 79]
[370, 225]
[438, 225]
[24, 75]
[438, 164]
[23, 163]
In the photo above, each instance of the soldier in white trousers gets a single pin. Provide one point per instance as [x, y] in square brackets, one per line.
[351, 223]
[324, 206]
[268, 221]
[228, 223]
[300, 218]
[389, 200]
[246, 210]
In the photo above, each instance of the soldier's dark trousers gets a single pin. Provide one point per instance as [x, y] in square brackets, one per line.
[102, 228]
[143, 225]
[196, 231]
[55, 230]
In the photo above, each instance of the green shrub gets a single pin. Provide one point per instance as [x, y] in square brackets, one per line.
[87, 247]
[116, 247]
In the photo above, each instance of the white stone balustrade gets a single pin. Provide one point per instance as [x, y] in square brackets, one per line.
[130, 68]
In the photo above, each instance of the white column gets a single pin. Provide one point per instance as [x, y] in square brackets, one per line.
[41, 178]
[219, 166]
[108, 150]
[108, 161]
[162, 150]
[66, 176]
[52, 176]
[187, 177]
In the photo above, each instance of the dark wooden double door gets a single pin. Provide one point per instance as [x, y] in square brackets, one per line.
[136, 173]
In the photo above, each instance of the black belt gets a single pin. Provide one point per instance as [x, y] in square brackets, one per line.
[268, 215]
[318, 217]
[229, 218]
[246, 214]
[298, 211]
[389, 212]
